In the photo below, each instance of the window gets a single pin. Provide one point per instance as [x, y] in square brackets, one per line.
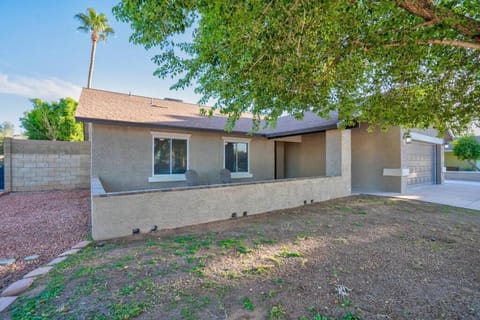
[236, 157]
[170, 157]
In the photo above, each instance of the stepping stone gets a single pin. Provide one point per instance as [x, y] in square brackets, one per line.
[6, 262]
[37, 272]
[69, 252]
[81, 245]
[17, 287]
[56, 260]
[32, 257]
[5, 302]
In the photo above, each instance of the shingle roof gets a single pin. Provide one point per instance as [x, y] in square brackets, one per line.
[125, 109]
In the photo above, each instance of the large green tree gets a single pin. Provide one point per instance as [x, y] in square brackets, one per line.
[467, 148]
[52, 121]
[414, 63]
[99, 29]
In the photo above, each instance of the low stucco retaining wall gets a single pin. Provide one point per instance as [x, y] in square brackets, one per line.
[116, 214]
[33, 165]
[462, 175]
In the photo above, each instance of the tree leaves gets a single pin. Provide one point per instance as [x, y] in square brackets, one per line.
[467, 148]
[52, 121]
[380, 62]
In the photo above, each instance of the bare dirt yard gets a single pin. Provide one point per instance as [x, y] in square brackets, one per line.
[359, 257]
[39, 223]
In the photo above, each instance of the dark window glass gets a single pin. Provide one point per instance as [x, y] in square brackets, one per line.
[169, 156]
[230, 162]
[236, 156]
[179, 156]
[242, 157]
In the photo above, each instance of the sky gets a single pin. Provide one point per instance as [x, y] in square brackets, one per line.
[42, 55]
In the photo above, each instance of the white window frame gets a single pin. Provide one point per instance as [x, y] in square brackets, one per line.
[238, 175]
[168, 177]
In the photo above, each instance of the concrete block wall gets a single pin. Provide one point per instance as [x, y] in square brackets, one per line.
[32, 165]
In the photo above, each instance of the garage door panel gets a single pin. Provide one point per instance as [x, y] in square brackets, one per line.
[421, 163]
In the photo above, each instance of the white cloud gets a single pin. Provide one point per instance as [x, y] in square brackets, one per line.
[36, 87]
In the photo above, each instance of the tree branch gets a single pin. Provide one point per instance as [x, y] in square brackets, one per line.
[445, 42]
[425, 9]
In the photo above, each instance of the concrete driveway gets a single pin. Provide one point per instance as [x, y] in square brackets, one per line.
[464, 194]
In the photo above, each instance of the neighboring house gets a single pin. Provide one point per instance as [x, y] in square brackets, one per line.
[142, 147]
[452, 163]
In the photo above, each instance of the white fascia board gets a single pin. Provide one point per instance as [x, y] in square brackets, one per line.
[170, 135]
[424, 138]
[234, 139]
[297, 139]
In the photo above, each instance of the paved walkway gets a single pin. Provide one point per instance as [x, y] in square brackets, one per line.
[464, 194]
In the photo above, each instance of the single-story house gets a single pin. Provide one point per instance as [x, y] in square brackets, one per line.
[143, 150]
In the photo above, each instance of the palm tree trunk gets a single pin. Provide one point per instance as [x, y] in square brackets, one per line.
[92, 62]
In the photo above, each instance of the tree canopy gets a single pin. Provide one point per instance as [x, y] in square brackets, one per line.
[413, 63]
[52, 121]
[467, 148]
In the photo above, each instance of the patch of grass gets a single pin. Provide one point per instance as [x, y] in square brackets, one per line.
[318, 316]
[274, 260]
[277, 312]
[258, 270]
[236, 244]
[193, 304]
[278, 281]
[259, 242]
[270, 294]
[345, 303]
[128, 289]
[29, 307]
[189, 245]
[289, 254]
[123, 311]
[349, 209]
[303, 236]
[83, 271]
[231, 275]
[248, 304]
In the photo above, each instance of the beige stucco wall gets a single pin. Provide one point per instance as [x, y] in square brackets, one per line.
[463, 175]
[122, 157]
[33, 165]
[305, 159]
[452, 161]
[116, 214]
[371, 153]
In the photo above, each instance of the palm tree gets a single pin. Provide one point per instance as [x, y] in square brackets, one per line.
[97, 25]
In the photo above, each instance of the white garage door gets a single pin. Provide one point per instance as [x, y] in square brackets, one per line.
[421, 162]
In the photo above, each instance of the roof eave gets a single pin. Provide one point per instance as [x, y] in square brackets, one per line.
[302, 131]
[160, 126]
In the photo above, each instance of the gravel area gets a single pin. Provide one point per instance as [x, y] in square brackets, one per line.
[40, 223]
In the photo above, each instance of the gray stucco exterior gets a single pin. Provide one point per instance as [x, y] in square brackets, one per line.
[380, 160]
[122, 157]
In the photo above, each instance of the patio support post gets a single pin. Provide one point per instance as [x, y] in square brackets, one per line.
[338, 153]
